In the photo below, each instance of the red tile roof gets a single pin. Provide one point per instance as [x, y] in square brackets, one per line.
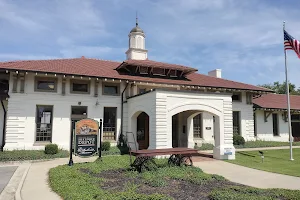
[277, 101]
[106, 69]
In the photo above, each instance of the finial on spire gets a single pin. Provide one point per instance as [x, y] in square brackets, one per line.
[136, 19]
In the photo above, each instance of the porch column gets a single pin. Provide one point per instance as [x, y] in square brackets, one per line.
[224, 148]
[190, 132]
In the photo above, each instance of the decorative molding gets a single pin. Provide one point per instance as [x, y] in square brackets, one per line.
[267, 114]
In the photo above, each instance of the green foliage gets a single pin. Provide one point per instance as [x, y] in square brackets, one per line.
[277, 161]
[249, 193]
[105, 146]
[205, 146]
[111, 151]
[238, 139]
[73, 183]
[280, 88]
[122, 144]
[20, 155]
[51, 149]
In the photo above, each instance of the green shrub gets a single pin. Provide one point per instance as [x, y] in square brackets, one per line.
[105, 146]
[51, 149]
[238, 139]
[204, 146]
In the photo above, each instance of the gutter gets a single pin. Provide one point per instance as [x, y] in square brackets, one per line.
[4, 126]
[122, 107]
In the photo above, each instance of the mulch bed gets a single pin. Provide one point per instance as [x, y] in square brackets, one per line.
[115, 180]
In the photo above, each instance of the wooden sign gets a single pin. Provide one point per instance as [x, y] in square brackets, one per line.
[86, 137]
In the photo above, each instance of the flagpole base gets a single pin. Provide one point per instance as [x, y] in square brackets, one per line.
[292, 159]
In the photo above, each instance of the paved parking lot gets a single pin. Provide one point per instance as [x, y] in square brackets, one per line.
[5, 174]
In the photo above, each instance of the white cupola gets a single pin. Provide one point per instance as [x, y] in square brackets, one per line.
[136, 50]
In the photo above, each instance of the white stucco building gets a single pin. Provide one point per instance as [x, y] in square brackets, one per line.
[158, 105]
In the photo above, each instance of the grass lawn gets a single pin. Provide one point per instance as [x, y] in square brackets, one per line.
[20, 155]
[111, 179]
[275, 161]
[251, 144]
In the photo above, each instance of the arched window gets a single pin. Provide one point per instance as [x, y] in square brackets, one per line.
[197, 125]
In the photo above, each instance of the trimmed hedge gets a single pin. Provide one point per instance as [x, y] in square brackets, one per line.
[238, 140]
[105, 146]
[51, 149]
[21, 155]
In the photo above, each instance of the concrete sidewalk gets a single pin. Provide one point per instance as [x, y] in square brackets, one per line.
[36, 187]
[248, 176]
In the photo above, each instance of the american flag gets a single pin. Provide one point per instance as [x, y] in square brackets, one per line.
[291, 43]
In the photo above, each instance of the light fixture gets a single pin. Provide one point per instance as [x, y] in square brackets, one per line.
[97, 103]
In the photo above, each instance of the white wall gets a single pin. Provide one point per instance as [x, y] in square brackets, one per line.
[22, 111]
[265, 129]
[246, 117]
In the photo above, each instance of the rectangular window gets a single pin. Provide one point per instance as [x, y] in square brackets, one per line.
[44, 116]
[249, 98]
[197, 125]
[109, 123]
[237, 97]
[275, 124]
[81, 87]
[158, 71]
[142, 90]
[43, 84]
[173, 73]
[295, 117]
[236, 122]
[110, 89]
[143, 70]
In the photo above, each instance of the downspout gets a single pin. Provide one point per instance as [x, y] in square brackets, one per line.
[4, 125]
[122, 107]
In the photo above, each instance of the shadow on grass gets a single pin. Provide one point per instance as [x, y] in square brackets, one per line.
[246, 154]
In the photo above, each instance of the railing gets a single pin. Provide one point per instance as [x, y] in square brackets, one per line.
[43, 132]
[197, 132]
[109, 131]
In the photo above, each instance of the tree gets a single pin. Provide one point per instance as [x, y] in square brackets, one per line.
[280, 88]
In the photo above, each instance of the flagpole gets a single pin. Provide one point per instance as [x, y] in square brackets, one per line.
[288, 100]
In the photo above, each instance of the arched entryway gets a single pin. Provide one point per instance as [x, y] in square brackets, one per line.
[142, 130]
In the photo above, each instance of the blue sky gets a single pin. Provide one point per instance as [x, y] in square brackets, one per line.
[243, 38]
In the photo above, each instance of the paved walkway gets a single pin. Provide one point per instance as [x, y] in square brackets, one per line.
[30, 180]
[36, 181]
[5, 174]
[248, 176]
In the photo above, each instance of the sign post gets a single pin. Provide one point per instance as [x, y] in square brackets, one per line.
[86, 139]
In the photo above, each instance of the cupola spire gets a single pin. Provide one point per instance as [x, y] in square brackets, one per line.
[136, 50]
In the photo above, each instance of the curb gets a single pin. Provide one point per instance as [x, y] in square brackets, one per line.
[18, 195]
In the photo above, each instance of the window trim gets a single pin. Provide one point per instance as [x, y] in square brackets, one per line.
[72, 81]
[51, 120]
[116, 124]
[39, 78]
[111, 84]
[239, 121]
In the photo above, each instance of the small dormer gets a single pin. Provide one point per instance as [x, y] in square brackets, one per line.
[149, 68]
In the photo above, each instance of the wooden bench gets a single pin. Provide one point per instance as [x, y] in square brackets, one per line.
[144, 159]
